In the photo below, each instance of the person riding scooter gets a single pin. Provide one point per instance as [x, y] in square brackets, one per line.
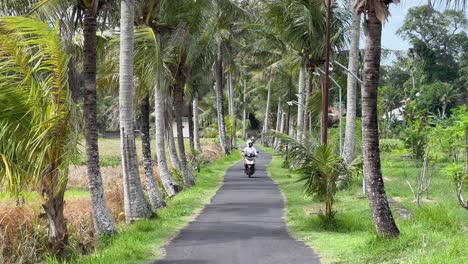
[249, 153]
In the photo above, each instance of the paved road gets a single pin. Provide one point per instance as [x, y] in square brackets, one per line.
[243, 224]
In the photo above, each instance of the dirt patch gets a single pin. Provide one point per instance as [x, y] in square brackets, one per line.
[399, 209]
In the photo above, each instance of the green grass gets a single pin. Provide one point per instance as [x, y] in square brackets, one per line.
[141, 241]
[437, 233]
[74, 193]
[109, 150]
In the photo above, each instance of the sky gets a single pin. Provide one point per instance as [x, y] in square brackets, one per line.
[390, 40]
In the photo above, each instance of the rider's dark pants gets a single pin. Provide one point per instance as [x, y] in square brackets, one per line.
[253, 167]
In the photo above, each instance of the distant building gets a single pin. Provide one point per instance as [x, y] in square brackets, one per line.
[185, 127]
[396, 114]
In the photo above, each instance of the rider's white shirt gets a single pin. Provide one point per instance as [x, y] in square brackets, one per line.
[250, 150]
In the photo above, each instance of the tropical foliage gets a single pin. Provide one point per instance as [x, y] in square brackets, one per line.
[39, 132]
[176, 71]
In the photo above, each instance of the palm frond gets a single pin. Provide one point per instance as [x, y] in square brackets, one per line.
[38, 116]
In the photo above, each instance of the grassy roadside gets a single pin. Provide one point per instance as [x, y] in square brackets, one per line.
[141, 241]
[436, 233]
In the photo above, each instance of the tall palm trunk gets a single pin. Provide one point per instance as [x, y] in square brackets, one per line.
[267, 114]
[155, 197]
[232, 113]
[283, 123]
[308, 93]
[353, 64]
[382, 216]
[169, 184]
[220, 101]
[190, 124]
[300, 107]
[244, 110]
[101, 217]
[187, 175]
[279, 114]
[135, 203]
[170, 135]
[292, 130]
[196, 124]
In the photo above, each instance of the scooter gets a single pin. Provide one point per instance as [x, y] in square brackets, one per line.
[249, 164]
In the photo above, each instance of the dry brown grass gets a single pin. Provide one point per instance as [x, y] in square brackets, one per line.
[110, 176]
[78, 214]
[77, 177]
[23, 235]
[211, 151]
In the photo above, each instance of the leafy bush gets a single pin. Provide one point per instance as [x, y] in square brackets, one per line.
[210, 132]
[450, 137]
[323, 170]
[415, 136]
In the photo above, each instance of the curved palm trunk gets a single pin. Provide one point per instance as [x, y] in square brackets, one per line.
[196, 125]
[170, 134]
[170, 137]
[300, 107]
[135, 203]
[267, 115]
[53, 207]
[353, 64]
[382, 216]
[244, 110]
[169, 184]
[155, 197]
[187, 175]
[101, 217]
[220, 101]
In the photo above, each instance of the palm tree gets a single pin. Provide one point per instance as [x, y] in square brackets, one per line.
[90, 9]
[376, 13]
[170, 185]
[170, 133]
[244, 107]
[324, 172]
[219, 91]
[196, 124]
[155, 197]
[150, 61]
[301, 25]
[300, 105]
[231, 107]
[447, 94]
[38, 118]
[267, 112]
[102, 220]
[219, 29]
[180, 74]
[135, 203]
[353, 64]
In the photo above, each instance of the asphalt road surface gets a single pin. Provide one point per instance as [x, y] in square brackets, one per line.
[243, 224]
